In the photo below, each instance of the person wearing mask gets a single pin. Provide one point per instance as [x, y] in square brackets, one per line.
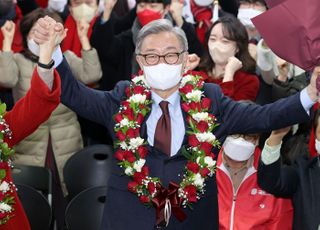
[227, 61]
[299, 181]
[83, 10]
[160, 142]
[116, 52]
[242, 203]
[27, 114]
[60, 137]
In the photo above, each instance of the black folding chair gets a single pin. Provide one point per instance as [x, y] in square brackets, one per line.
[90, 167]
[36, 177]
[85, 210]
[36, 206]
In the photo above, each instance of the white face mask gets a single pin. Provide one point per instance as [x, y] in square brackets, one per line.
[203, 2]
[220, 53]
[33, 47]
[245, 16]
[57, 5]
[83, 11]
[163, 76]
[317, 146]
[238, 149]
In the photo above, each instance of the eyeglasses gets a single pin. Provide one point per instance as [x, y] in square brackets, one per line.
[169, 58]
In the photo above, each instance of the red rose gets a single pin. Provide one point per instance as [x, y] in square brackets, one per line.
[138, 89]
[129, 113]
[185, 107]
[131, 133]
[132, 186]
[195, 106]
[204, 172]
[120, 135]
[138, 177]
[141, 106]
[119, 155]
[144, 199]
[193, 167]
[128, 155]
[200, 84]
[191, 192]
[193, 141]
[205, 103]
[118, 118]
[151, 187]
[127, 91]
[140, 118]
[145, 170]
[212, 117]
[186, 89]
[148, 94]
[142, 151]
[202, 126]
[125, 104]
[206, 147]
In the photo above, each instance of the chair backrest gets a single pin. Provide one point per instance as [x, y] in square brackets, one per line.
[39, 178]
[85, 210]
[36, 206]
[88, 168]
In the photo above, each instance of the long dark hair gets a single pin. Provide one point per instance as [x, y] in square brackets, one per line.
[233, 30]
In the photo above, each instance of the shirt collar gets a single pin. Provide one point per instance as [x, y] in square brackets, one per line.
[173, 99]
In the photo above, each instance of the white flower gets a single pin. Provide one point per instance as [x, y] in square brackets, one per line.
[135, 142]
[203, 116]
[186, 79]
[198, 160]
[137, 165]
[198, 180]
[205, 137]
[124, 122]
[129, 171]
[124, 145]
[194, 95]
[209, 161]
[138, 98]
[138, 79]
[4, 187]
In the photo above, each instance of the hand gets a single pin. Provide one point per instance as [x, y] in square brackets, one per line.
[192, 62]
[233, 65]
[82, 28]
[283, 67]
[176, 7]
[253, 51]
[40, 34]
[8, 30]
[277, 135]
[108, 7]
[314, 82]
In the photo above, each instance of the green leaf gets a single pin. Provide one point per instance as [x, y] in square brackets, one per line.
[2, 174]
[3, 108]
[185, 152]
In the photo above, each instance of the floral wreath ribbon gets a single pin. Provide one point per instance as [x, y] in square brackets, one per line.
[131, 148]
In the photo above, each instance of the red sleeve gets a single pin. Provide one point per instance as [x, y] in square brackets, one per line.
[33, 109]
[244, 87]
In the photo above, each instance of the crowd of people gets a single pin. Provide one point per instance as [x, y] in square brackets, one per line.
[241, 153]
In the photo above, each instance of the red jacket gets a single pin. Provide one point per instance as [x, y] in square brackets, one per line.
[250, 207]
[28, 113]
[245, 86]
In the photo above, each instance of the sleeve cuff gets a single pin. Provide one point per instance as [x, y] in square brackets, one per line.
[270, 154]
[306, 101]
[57, 57]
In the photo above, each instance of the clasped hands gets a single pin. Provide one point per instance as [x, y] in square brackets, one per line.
[48, 34]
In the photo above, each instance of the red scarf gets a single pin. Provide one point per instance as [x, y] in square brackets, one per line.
[72, 41]
[202, 16]
[312, 141]
[17, 39]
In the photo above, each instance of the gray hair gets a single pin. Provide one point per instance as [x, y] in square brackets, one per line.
[159, 26]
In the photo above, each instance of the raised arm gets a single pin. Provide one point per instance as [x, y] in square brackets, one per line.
[272, 176]
[8, 67]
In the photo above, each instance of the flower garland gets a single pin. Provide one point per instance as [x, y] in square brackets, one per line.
[132, 149]
[7, 188]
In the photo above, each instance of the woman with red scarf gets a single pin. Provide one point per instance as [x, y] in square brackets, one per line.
[27, 114]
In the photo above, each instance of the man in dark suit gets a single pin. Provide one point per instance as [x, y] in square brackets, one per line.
[161, 54]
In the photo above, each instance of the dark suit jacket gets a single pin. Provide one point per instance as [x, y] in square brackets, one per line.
[123, 210]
